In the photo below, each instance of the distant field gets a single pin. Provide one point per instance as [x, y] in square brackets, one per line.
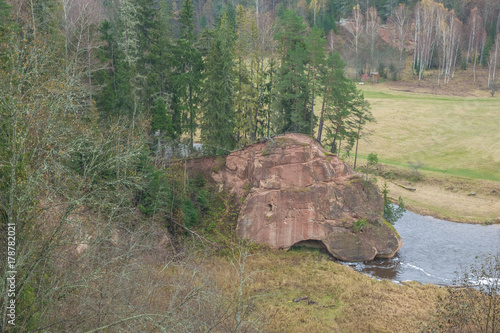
[452, 135]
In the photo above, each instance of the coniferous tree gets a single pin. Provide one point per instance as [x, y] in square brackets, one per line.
[120, 53]
[250, 86]
[344, 111]
[150, 35]
[161, 122]
[218, 120]
[362, 116]
[244, 101]
[187, 66]
[333, 83]
[291, 85]
[316, 49]
[106, 78]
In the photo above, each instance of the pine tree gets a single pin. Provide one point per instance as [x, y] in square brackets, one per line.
[344, 111]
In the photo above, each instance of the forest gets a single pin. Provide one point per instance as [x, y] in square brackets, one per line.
[101, 101]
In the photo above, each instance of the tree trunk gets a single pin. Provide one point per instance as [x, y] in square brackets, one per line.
[312, 103]
[357, 141]
[320, 126]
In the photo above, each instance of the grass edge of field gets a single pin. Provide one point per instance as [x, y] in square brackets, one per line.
[402, 175]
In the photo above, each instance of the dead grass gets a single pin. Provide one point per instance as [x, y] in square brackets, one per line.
[451, 198]
[452, 135]
[344, 300]
[453, 131]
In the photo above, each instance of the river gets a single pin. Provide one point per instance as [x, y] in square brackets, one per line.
[434, 250]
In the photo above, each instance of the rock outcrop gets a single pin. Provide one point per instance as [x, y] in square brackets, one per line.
[295, 192]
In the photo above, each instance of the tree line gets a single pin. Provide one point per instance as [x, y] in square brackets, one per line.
[439, 36]
[240, 81]
[92, 91]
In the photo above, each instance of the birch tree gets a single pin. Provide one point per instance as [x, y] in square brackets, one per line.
[80, 22]
[443, 31]
[355, 28]
[400, 21]
[372, 30]
[476, 37]
[493, 61]
[316, 6]
[425, 17]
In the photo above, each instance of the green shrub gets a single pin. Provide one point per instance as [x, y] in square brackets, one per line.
[360, 225]
[189, 213]
[203, 199]
[156, 194]
[382, 71]
[391, 213]
[199, 181]
[394, 72]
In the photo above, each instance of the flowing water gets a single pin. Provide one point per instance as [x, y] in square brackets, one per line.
[434, 250]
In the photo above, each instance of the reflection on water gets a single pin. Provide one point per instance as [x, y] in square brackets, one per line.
[434, 250]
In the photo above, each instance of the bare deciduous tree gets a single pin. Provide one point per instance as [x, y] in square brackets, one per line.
[425, 35]
[476, 39]
[400, 21]
[372, 30]
[493, 61]
[355, 28]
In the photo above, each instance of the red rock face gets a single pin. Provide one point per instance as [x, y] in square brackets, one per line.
[296, 191]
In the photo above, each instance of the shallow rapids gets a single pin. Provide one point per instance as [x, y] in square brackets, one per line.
[434, 250]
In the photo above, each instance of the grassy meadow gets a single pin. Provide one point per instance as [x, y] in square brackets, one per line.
[456, 140]
[338, 298]
[453, 135]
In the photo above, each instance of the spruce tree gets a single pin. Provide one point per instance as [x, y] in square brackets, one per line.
[217, 123]
[106, 78]
[291, 87]
[339, 98]
[316, 50]
[120, 52]
[187, 65]
[161, 122]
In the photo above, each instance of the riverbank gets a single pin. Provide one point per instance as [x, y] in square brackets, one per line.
[442, 143]
[305, 291]
[446, 197]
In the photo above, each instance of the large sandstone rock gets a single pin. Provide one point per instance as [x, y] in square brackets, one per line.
[295, 191]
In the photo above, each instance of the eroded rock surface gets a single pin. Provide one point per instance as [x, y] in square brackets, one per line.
[296, 191]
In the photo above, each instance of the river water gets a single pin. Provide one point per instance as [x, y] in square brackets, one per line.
[434, 250]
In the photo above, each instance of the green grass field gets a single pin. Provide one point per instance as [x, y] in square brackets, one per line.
[452, 135]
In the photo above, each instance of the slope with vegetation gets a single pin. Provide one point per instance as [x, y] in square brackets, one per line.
[96, 98]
